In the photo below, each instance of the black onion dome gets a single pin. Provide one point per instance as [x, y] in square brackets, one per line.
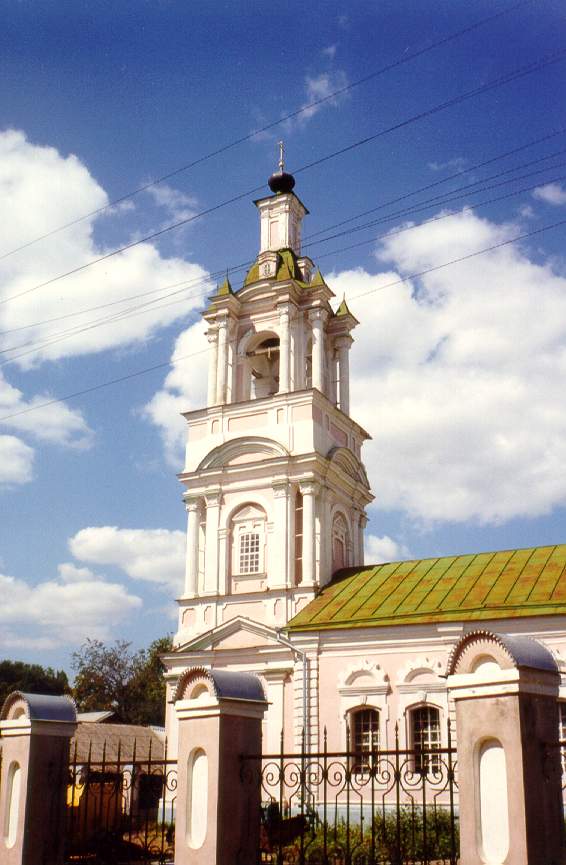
[281, 182]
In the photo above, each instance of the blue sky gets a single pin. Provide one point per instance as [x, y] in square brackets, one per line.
[458, 374]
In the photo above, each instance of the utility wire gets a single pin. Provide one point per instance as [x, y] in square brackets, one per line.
[139, 309]
[440, 201]
[522, 71]
[406, 58]
[439, 182]
[199, 281]
[169, 363]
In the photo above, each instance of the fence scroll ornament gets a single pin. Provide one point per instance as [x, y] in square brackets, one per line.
[370, 807]
[120, 810]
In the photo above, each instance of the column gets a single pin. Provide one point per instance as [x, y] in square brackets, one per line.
[284, 366]
[316, 318]
[191, 569]
[223, 563]
[211, 550]
[362, 524]
[343, 344]
[222, 361]
[212, 337]
[280, 542]
[309, 490]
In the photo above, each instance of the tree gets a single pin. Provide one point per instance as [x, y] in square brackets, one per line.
[31, 679]
[115, 677]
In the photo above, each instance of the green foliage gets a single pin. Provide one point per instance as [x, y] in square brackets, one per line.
[115, 677]
[31, 679]
[393, 843]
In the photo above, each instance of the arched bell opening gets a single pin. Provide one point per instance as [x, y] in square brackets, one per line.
[262, 359]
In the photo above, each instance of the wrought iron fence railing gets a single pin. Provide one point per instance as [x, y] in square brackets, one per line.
[120, 808]
[359, 806]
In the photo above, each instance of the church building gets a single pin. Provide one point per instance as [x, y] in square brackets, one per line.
[276, 496]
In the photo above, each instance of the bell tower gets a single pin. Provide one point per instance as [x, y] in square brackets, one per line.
[275, 489]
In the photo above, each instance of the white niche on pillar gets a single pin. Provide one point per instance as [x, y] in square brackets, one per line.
[493, 810]
[197, 797]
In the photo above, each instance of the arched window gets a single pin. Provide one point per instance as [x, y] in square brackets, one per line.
[424, 722]
[364, 736]
[263, 359]
[248, 541]
[340, 543]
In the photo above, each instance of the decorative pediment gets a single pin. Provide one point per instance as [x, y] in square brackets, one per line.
[242, 450]
[363, 677]
[238, 633]
[420, 671]
[249, 512]
[344, 459]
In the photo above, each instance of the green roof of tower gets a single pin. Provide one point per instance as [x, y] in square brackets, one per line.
[507, 584]
[287, 268]
[317, 279]
[343, 309]
[225, 288]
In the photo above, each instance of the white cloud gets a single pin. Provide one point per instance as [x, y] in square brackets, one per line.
[151, 555]
[317, 88]
[71, 573]
[61, 611]
[184, 389]
[551, 193]
[457, 163]
[329, 51]
[16, 461]
[41, 188]
[460, 378]
[384, 549]
[178, 204]
[56, 423]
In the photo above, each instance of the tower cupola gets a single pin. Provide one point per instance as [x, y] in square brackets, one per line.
[281, 214]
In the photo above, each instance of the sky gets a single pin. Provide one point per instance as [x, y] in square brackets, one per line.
[441, 124]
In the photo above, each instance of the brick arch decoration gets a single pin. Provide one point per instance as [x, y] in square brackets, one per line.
[507, 651]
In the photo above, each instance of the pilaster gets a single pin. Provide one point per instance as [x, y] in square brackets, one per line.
[213, 500]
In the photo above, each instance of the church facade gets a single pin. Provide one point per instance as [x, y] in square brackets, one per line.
[276, 496]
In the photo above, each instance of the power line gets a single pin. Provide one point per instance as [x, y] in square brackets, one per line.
[439, 201]
[199, 281]
[438, 182]
[406, 58]
[169, 363]
[535, 66]
[139, 309]
[528, 69]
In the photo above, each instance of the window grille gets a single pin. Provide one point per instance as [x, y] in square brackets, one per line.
[365, 736]
[562, 720]
[249, 553]
[425, 733]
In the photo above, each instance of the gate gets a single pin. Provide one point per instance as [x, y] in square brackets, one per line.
[370, 807]
[120, 811]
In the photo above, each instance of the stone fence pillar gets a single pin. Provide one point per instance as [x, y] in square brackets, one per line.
[509, 766]
[35, 731]
[217, 817]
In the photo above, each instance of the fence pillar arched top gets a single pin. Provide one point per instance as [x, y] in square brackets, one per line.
[505, 690]
[35, 730]
[220, 715]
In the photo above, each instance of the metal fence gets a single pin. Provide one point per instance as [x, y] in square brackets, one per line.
[120, 809]
[368, 807]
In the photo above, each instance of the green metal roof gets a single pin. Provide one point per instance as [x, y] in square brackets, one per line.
[287, 268]
[501, 585]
